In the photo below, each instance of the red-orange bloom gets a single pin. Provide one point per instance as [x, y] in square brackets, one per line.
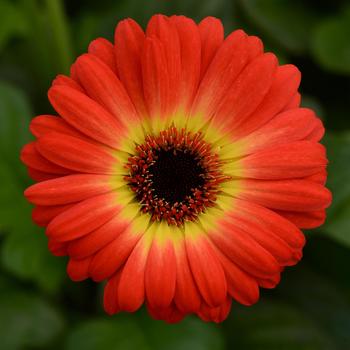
[180, 168]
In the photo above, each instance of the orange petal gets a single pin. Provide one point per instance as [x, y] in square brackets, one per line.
[160, 274]
[33, 159]
[291, 160]
[129, 41]
[86, 115]
[207, 271]
[102, 85]
[97, 239]
[131, 291]
[76, 154]
[83, 218]
[111, 257]
[190, 45]
[294, 195]
[104, 50]
[78, 270]
[212, 36]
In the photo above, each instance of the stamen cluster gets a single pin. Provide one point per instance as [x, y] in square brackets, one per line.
[175, 175]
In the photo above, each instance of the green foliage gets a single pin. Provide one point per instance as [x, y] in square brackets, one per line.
[24, 251]
[287, 22]
[14, 118]
[261, 328]
[41, 309]
[122, 333]
[338, 223]
[25, 319]
[190, 334]
[331, 45]
[12, 22]
[315, 314]
[107, 334]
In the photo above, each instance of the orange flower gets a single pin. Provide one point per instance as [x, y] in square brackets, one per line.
[180, 168]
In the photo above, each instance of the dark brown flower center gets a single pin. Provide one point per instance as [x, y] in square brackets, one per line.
[175, 176]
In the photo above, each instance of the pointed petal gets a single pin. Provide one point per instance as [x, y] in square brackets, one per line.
[305, 220]
[160, 273]
[170, 314]
[86, 115]
[110, 296]
[293, 195]
[43, 124]
[102, 85]
[270, 221]
[156, 81]
[33, 159]
[317, 132]
[294, 102]
[320, 177]
[187, 297]
[212, 36]
[68, 189]
[215, 314]
[291, 160]
[284, 85]
[110, 258]
[78, 270]
[104, 50]
[290, 126]
[164, 30]
[129, 40]
[83, 218]
[255, 47]
[131, 291]
[57, 248]
[247, 92]
[241, 286]
[270, 282]
[76, 154]
[243, 225]
[39, 176]
[228, 62]
[242, 250]
[190, 45]
[207, 270]
[62, 80]
[42, 215]
[97, 239]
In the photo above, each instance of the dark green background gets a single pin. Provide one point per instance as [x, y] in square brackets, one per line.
[40, 308]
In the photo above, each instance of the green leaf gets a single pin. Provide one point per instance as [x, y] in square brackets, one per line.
[275, 325]
[24, 251]
[307, 311]
[189, 334]
[338, 226]
[108, 334]
[287, 22]
[14, 120]
[338, 222]
[12, 22]
[331, 44]
[323, 302]
[25, 254]
[123, 332]
[26, 320]
[15, 114]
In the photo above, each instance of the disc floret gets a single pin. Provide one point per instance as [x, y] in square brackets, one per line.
[175, 175]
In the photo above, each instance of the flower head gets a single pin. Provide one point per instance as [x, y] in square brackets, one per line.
[180, 168]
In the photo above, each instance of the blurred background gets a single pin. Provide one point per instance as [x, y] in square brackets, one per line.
[40, 308]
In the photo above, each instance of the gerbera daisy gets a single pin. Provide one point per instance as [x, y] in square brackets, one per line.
[180, 168]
